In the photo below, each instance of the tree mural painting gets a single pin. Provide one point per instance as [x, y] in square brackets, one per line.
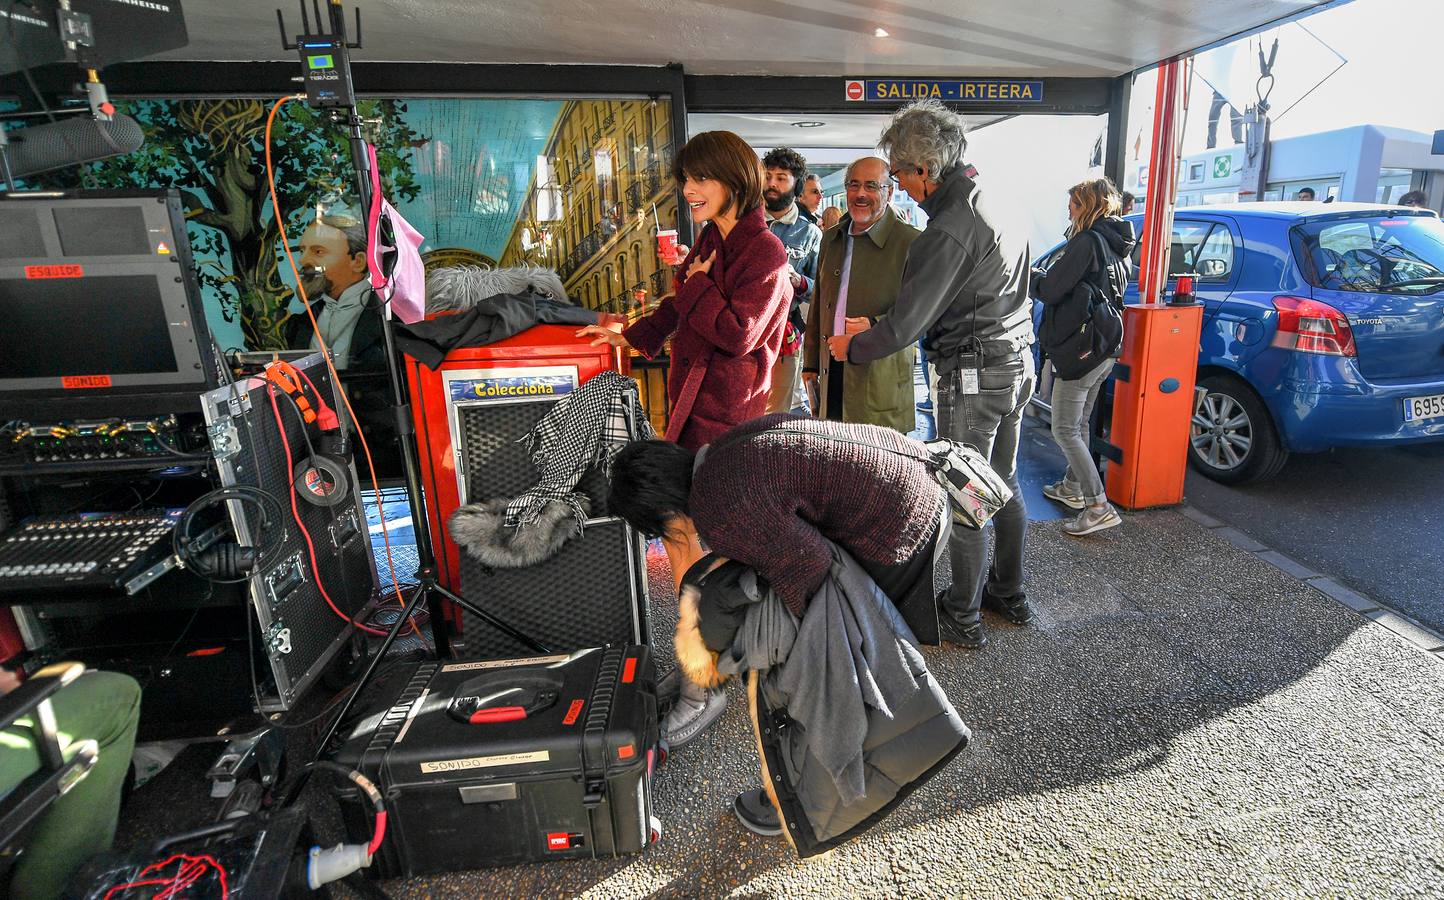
[213, 152]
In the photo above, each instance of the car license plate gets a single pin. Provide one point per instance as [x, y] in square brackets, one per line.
[1416, 408]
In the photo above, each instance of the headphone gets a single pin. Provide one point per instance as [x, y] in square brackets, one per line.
[229, 562]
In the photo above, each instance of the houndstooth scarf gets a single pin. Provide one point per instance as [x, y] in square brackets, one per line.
[590, 425]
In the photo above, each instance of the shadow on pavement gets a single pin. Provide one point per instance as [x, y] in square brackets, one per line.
[1147, 635]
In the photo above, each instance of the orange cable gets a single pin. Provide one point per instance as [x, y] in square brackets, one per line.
[326, 353]
[305, 533]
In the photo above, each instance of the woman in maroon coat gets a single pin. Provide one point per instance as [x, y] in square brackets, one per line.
[729, 307]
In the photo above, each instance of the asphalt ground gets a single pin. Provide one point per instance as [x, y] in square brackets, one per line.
[1184, 720]
[1371, 519]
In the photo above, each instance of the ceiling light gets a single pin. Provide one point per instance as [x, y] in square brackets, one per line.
[880, 32]
[808, 124]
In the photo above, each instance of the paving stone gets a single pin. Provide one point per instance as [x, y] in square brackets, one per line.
[1199, 516]
[1414, 634]
[1285, 564]
[1335, 591]
[1239, 539]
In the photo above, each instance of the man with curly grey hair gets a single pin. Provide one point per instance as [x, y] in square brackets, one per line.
[965, 292]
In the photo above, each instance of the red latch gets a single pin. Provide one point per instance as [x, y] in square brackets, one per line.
[629, 670]
[498, 714]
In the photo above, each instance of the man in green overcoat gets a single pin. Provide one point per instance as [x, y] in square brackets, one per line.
[859, 270]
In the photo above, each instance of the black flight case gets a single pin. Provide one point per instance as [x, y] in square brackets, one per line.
[510, 761]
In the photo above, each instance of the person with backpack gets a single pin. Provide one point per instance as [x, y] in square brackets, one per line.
[1082, 334]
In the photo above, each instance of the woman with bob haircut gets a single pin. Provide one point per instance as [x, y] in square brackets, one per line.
[728, 307]
[726, 317]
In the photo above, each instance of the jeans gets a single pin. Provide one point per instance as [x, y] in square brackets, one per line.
[1072, 412]
[991, 421]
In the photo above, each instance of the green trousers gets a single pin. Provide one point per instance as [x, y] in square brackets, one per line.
[99, 706]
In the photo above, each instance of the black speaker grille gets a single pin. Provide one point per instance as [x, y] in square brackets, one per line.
[347, 573]
[592, 592]
[586, 595]
[496, 461]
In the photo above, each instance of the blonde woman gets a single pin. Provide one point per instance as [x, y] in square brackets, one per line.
[1095, 261]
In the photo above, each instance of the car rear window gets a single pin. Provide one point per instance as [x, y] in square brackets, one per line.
[1373, 254]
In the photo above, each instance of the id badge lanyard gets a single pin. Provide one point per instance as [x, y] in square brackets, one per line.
[970, 369]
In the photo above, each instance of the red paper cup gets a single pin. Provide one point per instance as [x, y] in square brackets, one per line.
[667, 246]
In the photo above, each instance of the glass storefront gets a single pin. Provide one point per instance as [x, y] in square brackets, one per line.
[578, 186]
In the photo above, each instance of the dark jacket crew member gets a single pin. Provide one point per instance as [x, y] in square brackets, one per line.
[965, 291]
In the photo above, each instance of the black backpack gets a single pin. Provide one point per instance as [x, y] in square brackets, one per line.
[1087, 328]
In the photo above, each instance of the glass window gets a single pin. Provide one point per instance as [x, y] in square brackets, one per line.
[1393, 184]
[1204, 249]
[1215, 257]
[1404, 254]
[486, 181]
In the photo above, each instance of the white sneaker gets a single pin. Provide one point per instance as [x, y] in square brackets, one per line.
[1091, 520]
[1066, 493]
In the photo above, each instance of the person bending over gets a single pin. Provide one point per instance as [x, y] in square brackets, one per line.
[772, 492]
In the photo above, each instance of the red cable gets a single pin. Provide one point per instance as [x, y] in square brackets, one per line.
[192, 869]
[296, 513]
[321, 407]
[377, 834]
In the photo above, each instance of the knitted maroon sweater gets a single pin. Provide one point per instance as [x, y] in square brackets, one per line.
[769, 501]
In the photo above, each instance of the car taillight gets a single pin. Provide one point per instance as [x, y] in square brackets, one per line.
[1312, 327]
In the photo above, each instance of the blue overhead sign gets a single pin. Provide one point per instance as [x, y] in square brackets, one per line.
[971, 90]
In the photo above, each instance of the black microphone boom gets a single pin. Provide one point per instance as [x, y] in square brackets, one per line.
[70, 142]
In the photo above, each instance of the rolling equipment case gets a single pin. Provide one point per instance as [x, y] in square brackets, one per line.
[509, 761]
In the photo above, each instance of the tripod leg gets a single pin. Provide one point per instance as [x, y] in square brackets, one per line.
[493, 621]
[416, 598]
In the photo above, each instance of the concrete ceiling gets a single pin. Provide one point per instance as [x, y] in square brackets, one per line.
[764, 37]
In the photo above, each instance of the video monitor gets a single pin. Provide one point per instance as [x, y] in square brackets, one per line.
[99, 308]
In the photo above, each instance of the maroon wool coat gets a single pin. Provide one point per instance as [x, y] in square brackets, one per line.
[730, 320]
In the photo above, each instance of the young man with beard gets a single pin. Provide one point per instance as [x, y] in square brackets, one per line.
[334, 275]
[859, 272]
[785, 170]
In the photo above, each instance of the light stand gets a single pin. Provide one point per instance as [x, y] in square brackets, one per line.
[327, 66]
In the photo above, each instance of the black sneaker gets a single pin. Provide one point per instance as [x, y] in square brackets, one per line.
[755, 811]
[951, 631]
[1015, 609]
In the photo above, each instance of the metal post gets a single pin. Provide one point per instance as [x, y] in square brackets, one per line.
[1115, 154]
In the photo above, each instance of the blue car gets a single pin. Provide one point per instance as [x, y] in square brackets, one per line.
[1323, 327]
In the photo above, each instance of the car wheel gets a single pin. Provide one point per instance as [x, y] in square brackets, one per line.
[1232, 439]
